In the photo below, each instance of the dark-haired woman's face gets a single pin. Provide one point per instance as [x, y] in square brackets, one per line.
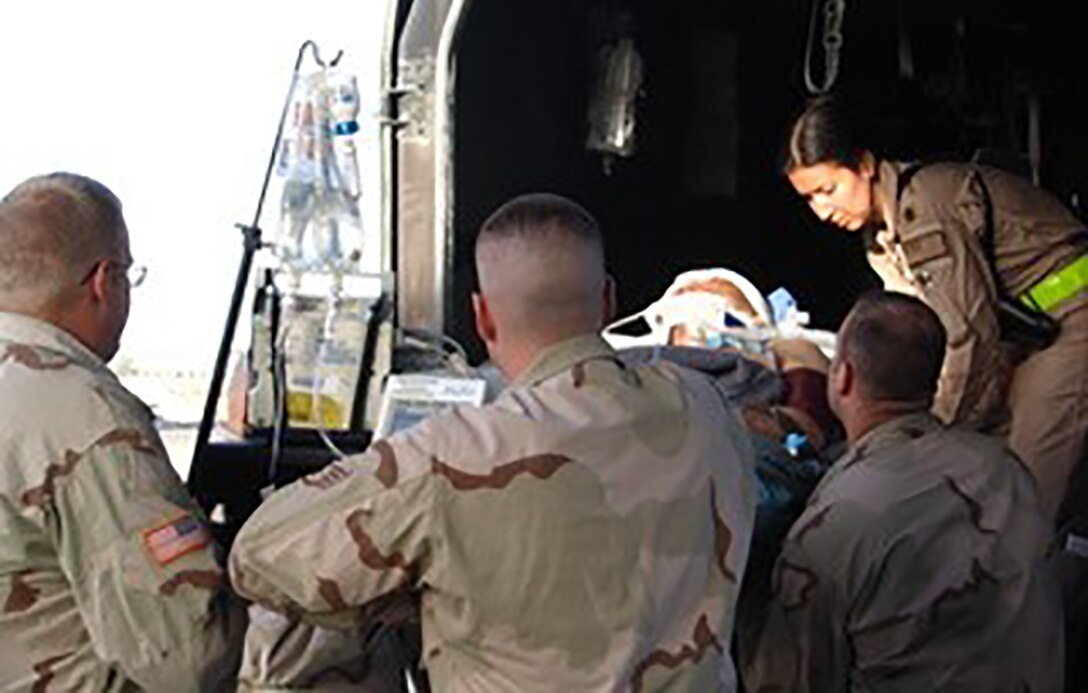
[837, 194]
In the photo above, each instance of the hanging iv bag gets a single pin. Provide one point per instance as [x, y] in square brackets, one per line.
[319, 246]
[320, 228]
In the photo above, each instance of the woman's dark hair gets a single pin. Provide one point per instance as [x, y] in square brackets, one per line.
[827, 131]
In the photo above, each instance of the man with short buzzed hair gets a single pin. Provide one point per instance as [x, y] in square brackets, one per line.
[919, 563]
[541, 269]
[891, 345]
[109, 579]
[587, 531]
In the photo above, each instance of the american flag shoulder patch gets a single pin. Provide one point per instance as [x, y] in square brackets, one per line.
[176, 538]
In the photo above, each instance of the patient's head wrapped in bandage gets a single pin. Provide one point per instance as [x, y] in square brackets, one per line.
[719, 314]
[700, 304]
[721, 309]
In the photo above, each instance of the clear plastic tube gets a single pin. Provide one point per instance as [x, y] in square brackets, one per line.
[327, 336]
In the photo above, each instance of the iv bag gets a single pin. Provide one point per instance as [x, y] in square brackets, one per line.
[321, 228]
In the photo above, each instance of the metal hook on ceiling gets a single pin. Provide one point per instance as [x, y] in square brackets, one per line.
[833, 13]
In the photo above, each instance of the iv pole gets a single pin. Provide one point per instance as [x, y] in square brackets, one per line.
[251, 243]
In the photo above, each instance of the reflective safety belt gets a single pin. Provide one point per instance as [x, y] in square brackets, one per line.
[1058, 286]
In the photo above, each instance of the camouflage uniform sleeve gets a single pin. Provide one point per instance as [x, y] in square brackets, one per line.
[335, 547]
[284, 654]
[824, 590]
[940, 235]
[142, 564]
[802, 647]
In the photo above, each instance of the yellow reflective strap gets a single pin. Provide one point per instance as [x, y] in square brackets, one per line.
[1058, 286]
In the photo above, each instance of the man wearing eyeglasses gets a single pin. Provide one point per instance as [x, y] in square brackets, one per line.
[109, 578]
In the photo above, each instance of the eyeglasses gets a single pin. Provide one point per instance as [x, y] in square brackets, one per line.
[136, 274]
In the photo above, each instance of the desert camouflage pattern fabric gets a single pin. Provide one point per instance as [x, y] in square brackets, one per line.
[283, 653]
[587, 531]
[92, 595]
[917, 566]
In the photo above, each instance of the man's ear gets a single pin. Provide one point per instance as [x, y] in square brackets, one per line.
[842, 378]
[608, 301]
[99, 281]
[485, 323]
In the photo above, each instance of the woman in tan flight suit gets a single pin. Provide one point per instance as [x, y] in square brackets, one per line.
[960, 236]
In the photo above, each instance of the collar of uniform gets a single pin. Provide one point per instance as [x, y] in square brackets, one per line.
[888, 184]
[897, 430]
[563, 356]
[24, 329]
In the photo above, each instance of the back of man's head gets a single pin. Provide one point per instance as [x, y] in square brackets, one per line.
[53, 228]
[541, 268]
[895, 344]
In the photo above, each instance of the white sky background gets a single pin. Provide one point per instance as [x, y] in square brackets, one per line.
[174, 106]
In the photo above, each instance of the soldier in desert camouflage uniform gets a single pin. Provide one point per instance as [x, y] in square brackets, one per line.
[108, 576]
[918, 564]
[587, 531]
